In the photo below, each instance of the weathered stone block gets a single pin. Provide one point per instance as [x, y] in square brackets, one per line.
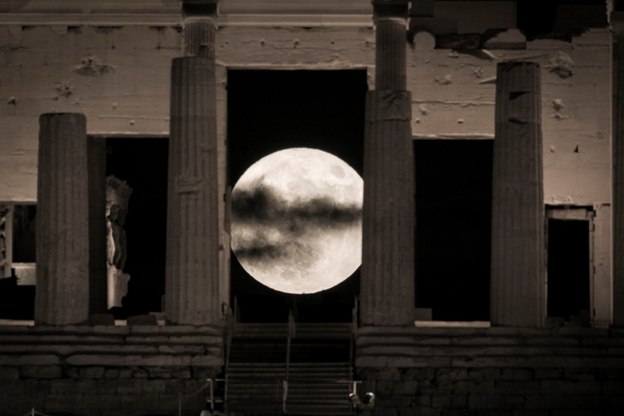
[405, 388]
[72, 372]
[62, 386]
[140, 373]
[387, 411]
[175, 386]
[495, 401]
[579, 375]
[168, 401]
[181, 373]
[389, 374]
[43, 371]
[476, 401]
[551, 387]
[424, 400]
[424, 373]
[9, 373]
[458, 401]
[153, 386]
[517, 387]
[613, 387]
[409, 411]
[430, 411]
[111, 373]
[92, 372]
[106, 386]
[205, 372]
[516, 374]
[159, 372]
[476, 386]
[442, 401]
[587, 387]
[384, 388]
[451, 374]
[126, 372]
[547, 373]
[33, 386]
[543, 401]
[63, 402]
[85, 386]
[109, 401]
[128, 386]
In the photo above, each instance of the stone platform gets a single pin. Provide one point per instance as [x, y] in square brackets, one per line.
[107, 370]
[492, 371]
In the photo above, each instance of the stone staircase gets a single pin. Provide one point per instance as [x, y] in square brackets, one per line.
[317, 380]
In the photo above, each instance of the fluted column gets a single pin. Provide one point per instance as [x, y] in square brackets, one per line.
[387, 285]
[618, 169]
[62, 230]
[192, 271]
[199, 36]
[518, 258]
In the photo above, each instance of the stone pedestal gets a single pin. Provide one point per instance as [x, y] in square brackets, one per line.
[518, 257]
[192, 271]
[62, 232]
[387, 285]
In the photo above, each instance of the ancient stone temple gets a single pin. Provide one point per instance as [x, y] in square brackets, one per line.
[489, 138]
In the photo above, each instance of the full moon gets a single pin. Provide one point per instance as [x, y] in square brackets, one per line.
[297, 220]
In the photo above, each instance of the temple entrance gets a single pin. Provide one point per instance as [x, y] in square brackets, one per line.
[142, 164]
[569, 268]
[271, 110]
[453, 222]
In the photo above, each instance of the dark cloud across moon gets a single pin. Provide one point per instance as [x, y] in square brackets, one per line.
[261, 207]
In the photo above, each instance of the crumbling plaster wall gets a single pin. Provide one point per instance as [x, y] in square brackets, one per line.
[453, 94]
[117, 76]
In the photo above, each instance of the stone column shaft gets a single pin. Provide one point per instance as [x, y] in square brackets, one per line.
[390, 56]
[387, 286]
[618, 174]
[192, 271]
[518, 257]
[62, 230]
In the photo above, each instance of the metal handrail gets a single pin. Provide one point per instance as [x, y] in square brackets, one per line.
[231, 322]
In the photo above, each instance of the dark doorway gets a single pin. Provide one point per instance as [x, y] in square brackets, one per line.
[274, 110]
[453, 222]
[142, 163]
[568, 268]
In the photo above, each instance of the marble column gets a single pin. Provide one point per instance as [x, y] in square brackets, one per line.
[617, 22]
[517, 293]
[192, 264]
[387, 285]
[62, 230]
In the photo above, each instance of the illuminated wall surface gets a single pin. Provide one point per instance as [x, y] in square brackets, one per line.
[295, 74]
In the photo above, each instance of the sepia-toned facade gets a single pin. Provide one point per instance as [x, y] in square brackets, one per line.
[83, 80]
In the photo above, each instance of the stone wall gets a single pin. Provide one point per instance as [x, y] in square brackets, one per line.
[107, 370]
[492, 371]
